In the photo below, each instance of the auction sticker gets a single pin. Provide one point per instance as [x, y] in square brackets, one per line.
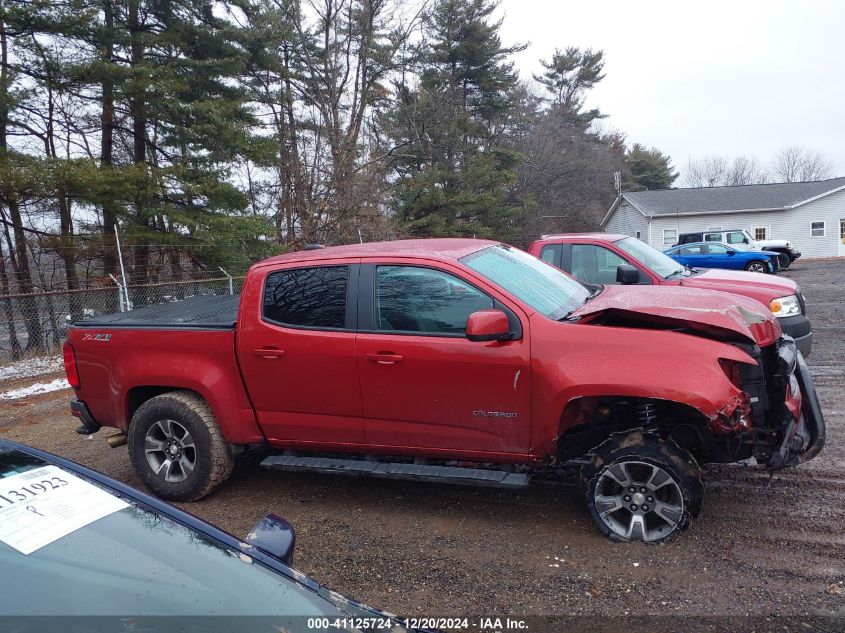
[42, 505]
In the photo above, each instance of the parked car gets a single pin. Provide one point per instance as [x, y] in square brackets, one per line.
[718, 255]
[74, 542]
[419, 356]
[742, 237]
[607, 258]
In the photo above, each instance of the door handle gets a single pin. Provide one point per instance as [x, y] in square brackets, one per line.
[269, 352]
[385, 358]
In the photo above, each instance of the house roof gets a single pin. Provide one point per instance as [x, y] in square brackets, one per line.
[769, 197]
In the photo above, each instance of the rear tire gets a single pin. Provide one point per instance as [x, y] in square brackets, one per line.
[639, 487]
[177, 448]
[756, 267]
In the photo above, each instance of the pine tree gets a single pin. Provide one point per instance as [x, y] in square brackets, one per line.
[568, 76]
[647, 169]
[458, 174]
[189, 125]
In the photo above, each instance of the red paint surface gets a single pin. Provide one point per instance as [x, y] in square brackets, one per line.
[425, 395]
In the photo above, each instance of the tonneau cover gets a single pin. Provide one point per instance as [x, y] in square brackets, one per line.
[204, 312]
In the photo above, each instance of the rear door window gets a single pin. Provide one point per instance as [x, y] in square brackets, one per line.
[712, 237]
[307, 297]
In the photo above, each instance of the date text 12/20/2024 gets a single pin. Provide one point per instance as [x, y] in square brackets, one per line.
[486, 624]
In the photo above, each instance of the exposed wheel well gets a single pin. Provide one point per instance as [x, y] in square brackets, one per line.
[587, 422]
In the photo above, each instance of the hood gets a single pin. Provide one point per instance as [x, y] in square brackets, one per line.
[718, 315]
[763, 288]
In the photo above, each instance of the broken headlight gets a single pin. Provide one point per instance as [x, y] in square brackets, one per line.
[785, 306]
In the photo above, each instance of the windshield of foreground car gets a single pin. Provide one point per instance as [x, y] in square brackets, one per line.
[532, 281]
[138, 562]
[660, 263]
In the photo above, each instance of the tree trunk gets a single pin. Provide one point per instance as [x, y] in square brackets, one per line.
[110, 264]
[68, 246]
[139, 142]
[25, 285]
[14, 343]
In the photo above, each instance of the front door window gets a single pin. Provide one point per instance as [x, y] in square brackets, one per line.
[423, 300]
[595, 264]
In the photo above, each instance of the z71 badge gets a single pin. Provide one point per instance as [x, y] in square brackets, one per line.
[96, 337]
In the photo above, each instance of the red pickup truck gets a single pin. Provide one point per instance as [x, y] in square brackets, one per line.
[608, 258]
[464, 360]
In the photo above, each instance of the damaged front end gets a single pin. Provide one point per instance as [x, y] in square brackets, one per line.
[784, 424]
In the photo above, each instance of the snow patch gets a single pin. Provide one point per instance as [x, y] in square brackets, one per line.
[30, 367]
[37, 388]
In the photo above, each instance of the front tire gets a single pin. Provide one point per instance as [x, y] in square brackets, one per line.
[640, 487]
[756, 267]
[177, 448]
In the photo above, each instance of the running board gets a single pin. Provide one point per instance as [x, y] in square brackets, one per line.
[419, 472]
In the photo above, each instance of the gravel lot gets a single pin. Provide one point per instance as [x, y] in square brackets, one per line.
[761, 547]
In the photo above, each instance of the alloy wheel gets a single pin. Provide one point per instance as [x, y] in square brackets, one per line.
[170, 450]
[639, 501]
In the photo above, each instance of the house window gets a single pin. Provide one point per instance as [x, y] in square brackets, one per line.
[670, 236]
[638, 235]
[817, 229]
[761, 232]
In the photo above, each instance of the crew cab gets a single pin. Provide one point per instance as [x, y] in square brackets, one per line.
[432, 358]
[612, 258]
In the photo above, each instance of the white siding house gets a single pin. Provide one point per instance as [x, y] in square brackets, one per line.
[811, 215]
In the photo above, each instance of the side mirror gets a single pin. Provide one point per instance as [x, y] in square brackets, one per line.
[626, 274]
[275, 536]
[488, 325]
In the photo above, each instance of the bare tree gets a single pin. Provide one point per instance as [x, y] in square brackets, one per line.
[800, 164]
[746, 170]
[719, 171]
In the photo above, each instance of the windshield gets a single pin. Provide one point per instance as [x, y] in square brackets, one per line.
[535, 283]
[660, 263]
[133, 562]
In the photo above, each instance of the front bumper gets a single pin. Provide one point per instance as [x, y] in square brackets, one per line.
[804, 438]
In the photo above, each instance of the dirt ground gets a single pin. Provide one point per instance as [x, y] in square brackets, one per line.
[762, 547]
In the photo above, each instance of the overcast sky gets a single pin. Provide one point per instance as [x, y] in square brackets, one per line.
[694, 78]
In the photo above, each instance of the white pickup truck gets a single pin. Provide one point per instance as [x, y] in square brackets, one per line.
[741, 236]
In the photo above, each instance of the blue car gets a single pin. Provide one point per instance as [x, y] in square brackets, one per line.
[80, 551]
[721, 255]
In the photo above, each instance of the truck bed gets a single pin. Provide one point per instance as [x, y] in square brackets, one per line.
[204, 312]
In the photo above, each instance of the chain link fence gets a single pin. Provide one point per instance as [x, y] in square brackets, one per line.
[36, 324]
